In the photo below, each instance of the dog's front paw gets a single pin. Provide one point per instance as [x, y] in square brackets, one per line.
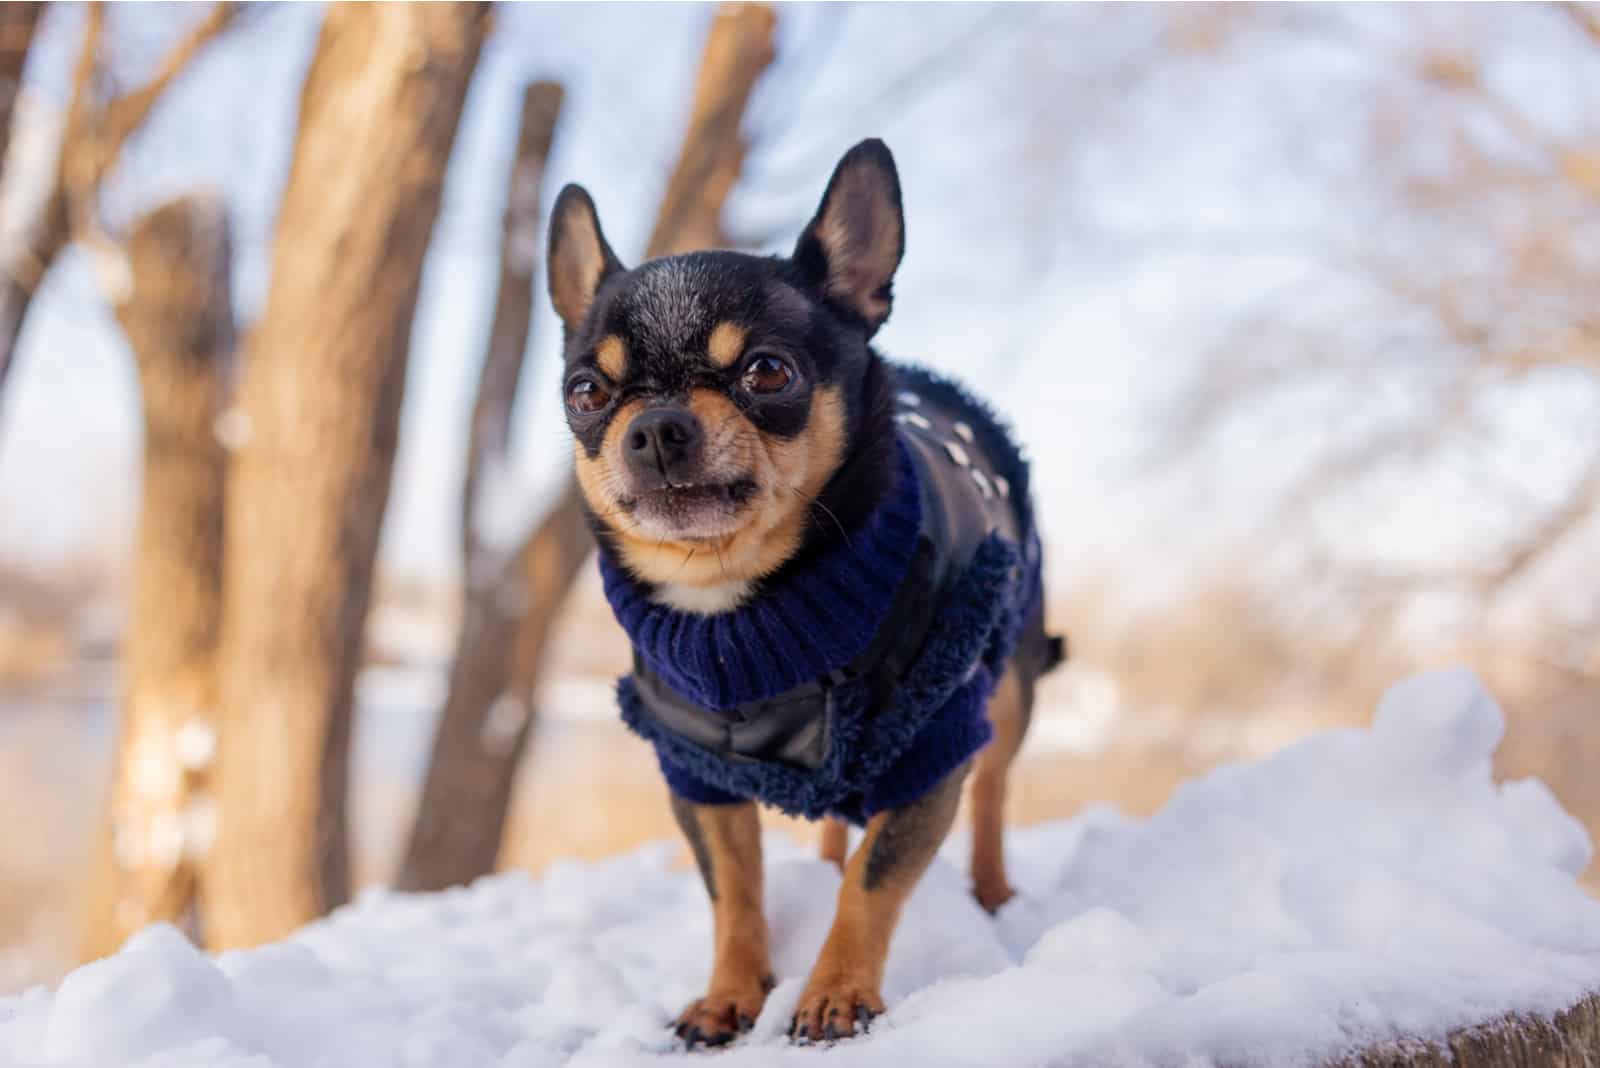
[992, 894]
[833, 1010]
[720, 1017]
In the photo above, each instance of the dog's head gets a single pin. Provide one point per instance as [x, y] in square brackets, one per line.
[713, 396]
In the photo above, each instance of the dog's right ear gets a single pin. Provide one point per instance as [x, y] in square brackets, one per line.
[579, 257]
[852, 247]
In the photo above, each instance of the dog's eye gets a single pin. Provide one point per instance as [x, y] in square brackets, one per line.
[585, 396]
[767, 374]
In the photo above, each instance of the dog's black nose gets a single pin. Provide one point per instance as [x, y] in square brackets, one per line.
[665, 442]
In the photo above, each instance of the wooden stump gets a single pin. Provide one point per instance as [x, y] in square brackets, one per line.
[1570, 1040]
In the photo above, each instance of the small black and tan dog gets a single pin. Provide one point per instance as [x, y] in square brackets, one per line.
[827, 566]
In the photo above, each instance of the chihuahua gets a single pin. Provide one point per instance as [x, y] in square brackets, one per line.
[826, 564]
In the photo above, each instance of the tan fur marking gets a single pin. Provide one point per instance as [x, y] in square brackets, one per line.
[726, 344]
[835, 842]
[1006, 712]
[612, 356]
[789, 475]
[848, 974]
[741, 970]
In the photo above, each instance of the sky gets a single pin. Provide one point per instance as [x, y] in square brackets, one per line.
[1064, 185]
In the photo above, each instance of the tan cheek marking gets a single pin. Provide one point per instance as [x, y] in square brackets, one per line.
[810, 459]
[612, 356]
[726, 344]
[803, 465]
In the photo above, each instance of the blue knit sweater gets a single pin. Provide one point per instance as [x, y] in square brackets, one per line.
[814, 621]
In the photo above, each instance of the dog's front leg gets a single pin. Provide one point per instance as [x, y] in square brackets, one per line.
[842, 995]
[726, 841]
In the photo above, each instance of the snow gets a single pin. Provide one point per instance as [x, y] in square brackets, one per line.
[1358, 886]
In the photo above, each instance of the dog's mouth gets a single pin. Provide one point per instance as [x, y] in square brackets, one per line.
[697, 511]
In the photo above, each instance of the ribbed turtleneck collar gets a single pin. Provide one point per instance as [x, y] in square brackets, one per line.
[805, 624]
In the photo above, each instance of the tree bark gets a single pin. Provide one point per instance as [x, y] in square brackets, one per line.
[178, 318]
[1570, 1039]
[484, 728]
[321, 400]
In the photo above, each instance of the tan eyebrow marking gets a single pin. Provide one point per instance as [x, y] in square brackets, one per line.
[726, 344]
[612, 356]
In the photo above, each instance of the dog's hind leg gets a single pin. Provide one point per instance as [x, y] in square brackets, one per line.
[835, 841]
[1009, 710]
[843, 993]
[726, 842]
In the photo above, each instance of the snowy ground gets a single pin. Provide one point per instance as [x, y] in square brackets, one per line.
[1357, 886]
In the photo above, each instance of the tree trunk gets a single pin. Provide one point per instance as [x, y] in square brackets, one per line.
[500, 654]
[475, 749]
[738, 50]
[489, 712]
[1570, 1039]
[17, 25]
[321, 402]
[178, 318]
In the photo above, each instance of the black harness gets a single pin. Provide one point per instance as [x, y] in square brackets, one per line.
[963, 501]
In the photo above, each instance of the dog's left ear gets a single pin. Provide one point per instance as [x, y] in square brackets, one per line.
[579, 258]
[851, 249]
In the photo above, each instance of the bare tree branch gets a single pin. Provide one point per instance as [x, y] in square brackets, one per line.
[1580, 503]
[128, 112]
[1584, 17]
[490, 429]
[94, 136]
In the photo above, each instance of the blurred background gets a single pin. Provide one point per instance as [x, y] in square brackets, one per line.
[1293, 307]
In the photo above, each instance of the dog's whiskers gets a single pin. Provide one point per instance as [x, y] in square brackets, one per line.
[814, 502]
[689, 556]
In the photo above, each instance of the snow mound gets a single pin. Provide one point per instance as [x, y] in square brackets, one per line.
[1359, 886]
